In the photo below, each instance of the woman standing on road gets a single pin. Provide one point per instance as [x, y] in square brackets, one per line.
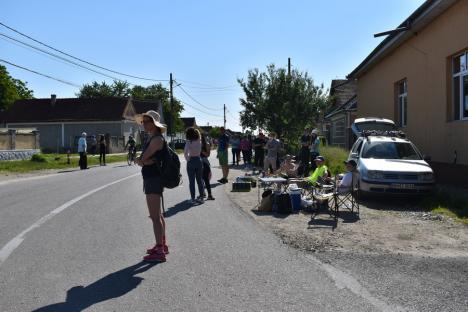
[192, 153]
[102, 150]
[149, 160]
[205, 153]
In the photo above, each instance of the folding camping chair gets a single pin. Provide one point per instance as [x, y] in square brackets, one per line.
[347, 198]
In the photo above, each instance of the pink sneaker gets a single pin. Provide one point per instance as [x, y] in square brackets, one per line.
[152, 250]
[157, 256]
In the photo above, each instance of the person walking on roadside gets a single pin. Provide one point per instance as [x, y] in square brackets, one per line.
[102, 150]
[192, 153]
[273, 146]
[259, 148]
[150, 160]
[235, 149]
[246, 148]
[82, 146]
[205, 153]
[223, 143]
[305, 152]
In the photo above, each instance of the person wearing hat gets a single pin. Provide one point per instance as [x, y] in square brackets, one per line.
[346, 183]
[320, 172]
[314, 147]
[288, 168]
[82, 146]
[151, 155]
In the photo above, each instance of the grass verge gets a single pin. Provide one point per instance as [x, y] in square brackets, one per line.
[52, 161]
[445, 203]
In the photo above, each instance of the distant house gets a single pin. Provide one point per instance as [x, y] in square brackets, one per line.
[188, 122]
[340, 116]
[61, 121]
[418, 77]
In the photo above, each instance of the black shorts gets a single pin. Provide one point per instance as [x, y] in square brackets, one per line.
[153, 185]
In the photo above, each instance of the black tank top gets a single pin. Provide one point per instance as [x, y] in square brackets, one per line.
[153, 170]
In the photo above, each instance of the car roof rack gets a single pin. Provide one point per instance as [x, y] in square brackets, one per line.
[387, 133]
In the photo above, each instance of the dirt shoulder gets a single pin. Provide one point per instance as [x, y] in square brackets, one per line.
[384, 226]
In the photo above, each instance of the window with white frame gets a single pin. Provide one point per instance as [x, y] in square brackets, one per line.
[402, 88]
[460, 86]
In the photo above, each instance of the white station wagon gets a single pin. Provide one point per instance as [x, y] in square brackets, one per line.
[387, 161]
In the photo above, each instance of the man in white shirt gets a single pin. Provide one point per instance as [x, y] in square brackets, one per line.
[82, 146]
[346, 183]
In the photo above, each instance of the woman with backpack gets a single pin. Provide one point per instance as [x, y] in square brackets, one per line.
[192, 153]
[205, 153]
[149, 160]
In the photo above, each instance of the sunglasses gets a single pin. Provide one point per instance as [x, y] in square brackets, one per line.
[147, 121]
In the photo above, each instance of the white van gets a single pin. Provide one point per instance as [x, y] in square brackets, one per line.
[387, 161]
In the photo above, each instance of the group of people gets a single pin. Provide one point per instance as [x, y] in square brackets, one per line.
[83, 148]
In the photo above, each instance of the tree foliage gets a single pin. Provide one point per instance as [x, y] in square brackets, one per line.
[12, 89]
[285, 104]
[123, 89]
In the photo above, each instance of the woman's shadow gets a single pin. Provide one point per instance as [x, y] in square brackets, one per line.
[110, 286]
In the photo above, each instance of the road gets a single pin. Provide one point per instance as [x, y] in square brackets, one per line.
[74, 241]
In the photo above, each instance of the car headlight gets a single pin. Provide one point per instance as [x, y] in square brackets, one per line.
[375, 175]
[427, 176]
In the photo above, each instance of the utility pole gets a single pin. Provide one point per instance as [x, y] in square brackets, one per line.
[171, 121]
[289, 66]
[224, 116]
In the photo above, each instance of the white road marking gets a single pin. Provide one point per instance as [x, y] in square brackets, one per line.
[344, 280]
[8, 249]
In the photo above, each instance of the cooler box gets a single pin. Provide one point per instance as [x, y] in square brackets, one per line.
[295, 195]
[241, 186]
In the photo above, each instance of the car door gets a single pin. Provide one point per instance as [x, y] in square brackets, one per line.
[356, 150]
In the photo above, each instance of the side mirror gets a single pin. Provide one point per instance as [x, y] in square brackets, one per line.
[427, 158]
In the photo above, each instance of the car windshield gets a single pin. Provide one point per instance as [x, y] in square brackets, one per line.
[390, 150]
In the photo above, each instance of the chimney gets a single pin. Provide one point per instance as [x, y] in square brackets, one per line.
[53, 99]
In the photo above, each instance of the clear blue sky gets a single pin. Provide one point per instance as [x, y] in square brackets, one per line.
[203, 43]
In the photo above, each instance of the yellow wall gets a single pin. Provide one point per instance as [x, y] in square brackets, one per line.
[25, 141]
[422, 60]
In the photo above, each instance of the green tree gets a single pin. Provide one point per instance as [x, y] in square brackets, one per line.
[159, 92]
[285, 104]
[12, 89]
[122, 89]
[215, 132]
[95, 89]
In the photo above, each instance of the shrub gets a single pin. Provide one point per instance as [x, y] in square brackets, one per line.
[38, 158]
[334, 158]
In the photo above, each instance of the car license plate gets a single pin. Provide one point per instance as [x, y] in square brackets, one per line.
[403, 186]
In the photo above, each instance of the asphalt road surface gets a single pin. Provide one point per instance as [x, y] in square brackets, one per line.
[74, 241]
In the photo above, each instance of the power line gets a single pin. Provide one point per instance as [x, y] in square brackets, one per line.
[61, 58]
[207, 85]
[197, 109]
[40, 74]
[195, 100]
[79, 59]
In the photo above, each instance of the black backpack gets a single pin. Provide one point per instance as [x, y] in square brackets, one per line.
[170, 168]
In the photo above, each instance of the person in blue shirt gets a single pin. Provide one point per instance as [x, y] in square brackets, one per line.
[223, 144]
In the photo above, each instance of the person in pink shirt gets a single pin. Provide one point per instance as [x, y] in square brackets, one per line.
[192, 153]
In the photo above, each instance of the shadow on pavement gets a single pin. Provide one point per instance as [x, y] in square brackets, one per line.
[180, 207]
[111, 286]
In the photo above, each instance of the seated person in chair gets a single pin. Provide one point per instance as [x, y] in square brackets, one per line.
[346, 182]
[320, 173]
[288, 169]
